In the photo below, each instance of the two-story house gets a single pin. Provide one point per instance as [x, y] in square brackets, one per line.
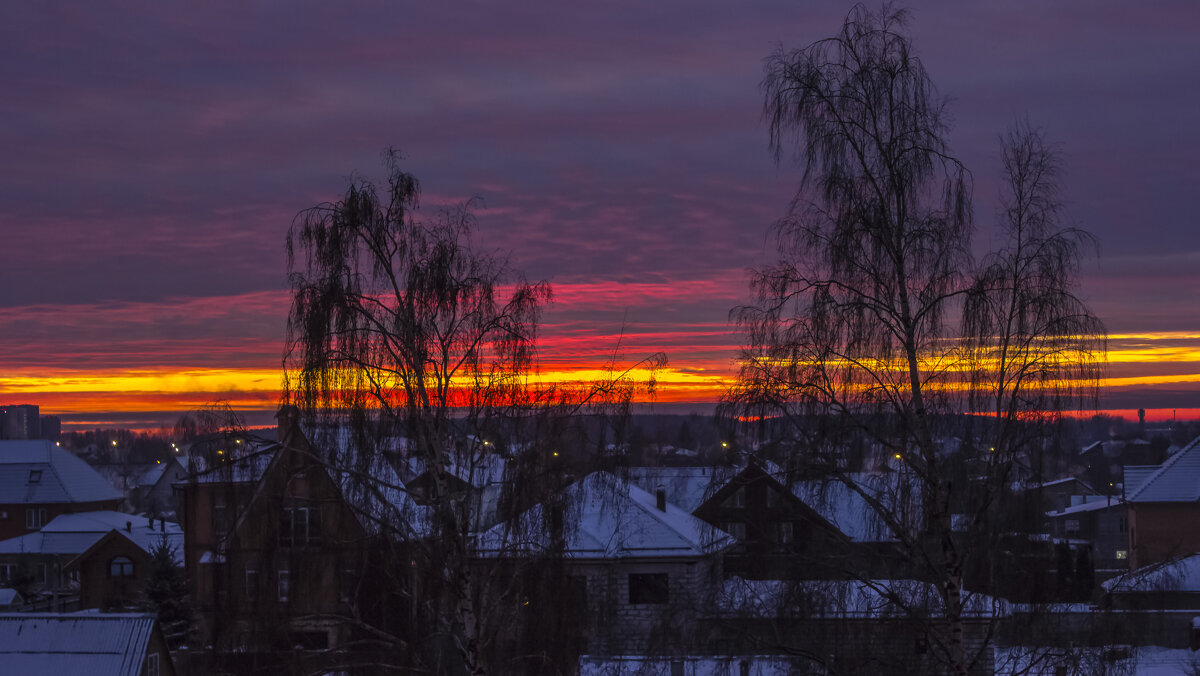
[39, 481]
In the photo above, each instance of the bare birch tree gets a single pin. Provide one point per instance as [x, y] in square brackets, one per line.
[404, 336]
[872, 325]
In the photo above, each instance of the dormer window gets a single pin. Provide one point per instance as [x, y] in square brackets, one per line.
[35, 476]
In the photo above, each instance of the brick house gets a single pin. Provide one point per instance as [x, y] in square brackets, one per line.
[639, 567]
[1164, 507]
[39, 481]
[279, 557]
[89, 559]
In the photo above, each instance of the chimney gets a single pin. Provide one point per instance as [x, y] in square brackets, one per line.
[128, 526]
[287, 419]
[151, 520]
[660, 498]
[162, 525]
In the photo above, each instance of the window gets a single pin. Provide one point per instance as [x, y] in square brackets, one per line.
[151, 665]
[648, 588]
[784, 532]
[774, 497]
[577, 593]
[6, 572]
[348, 585]
[737, 500]
[35, 517]
[285, 583]
[35, 476]
[1123, 524]
[251, 583]
[220, 519]
[121, 566]
[735, 528]
[300, 526]
[1122, 554]
[1072, 526]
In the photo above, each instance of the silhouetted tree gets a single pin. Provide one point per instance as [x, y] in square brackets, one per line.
[168, 595]
[403, 333]
[875, 324]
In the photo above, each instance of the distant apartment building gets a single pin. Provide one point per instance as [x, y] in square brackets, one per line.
[20, 421]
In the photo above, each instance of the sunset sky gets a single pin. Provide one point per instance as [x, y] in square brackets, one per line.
[154, 155]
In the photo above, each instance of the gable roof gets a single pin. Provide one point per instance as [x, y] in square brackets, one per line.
[38, 472]
[1176, 480]
[1177, 575]
[832, 500]
[607, 518]
[75, 643]
[72, 534]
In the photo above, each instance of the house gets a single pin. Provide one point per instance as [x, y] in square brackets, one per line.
[113, 644]
[1103, 520]
[814, 528]
[103, 557]
[1164, 507]
[638, 567]
[39, 481]
[147, 488]
[279, 546]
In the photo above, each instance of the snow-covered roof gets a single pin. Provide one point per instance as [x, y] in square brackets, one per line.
[10, 596]
[72, 534]
[607, 518]
[114, 644]
[246, 468]
[1177, 575]
[686, 487]
[876, 599]
[1090, 503]
[477, 469]
[1176, 480]
[377, 495]
[38, 472]
[835, 501]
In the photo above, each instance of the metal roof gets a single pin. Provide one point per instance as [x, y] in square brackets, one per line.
[75, 643]
[38, 472]
[1176, 480]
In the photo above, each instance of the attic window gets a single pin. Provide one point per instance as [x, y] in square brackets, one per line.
[35, 476]
[120, 566]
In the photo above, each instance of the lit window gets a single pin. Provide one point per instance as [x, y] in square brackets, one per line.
[121, 566]
[1122, 554]
[648, 588]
